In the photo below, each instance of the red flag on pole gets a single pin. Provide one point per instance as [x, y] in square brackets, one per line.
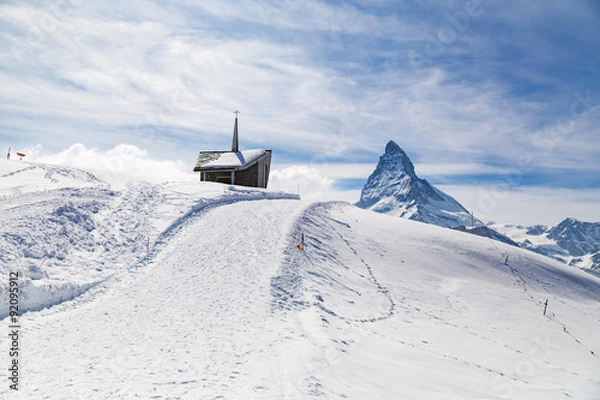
[301, 245]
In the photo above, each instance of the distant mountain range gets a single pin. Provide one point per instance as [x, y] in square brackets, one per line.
[395, 189]
[573, 242]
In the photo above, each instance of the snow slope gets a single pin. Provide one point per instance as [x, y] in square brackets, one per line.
[226, 307]
[67, 231]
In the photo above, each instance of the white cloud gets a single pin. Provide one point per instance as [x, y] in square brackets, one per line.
[310, 16]
[308, 182]
[118, 166]
[527, 206]
[164, 77]
[336, 171]
[456, 169]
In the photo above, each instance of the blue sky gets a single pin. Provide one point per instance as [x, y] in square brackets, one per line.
[496, 102]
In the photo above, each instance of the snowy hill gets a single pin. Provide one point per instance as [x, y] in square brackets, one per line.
[68, 231]
[573, 242]
[225, 306]
[394, 189]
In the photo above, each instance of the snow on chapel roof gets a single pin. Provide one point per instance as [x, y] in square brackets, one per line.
[227, 159]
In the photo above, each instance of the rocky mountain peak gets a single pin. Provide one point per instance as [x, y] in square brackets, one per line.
[577, 237]
[394, 188]
[395, 159]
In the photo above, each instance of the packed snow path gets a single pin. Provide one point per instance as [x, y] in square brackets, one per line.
[195, 322]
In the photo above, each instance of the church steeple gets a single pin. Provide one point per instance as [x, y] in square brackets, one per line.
[234, 144]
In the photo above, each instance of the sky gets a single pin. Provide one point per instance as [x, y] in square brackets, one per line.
[496, 102]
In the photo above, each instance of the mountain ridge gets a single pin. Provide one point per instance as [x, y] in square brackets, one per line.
[571, 241]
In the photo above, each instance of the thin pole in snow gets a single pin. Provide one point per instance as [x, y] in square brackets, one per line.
[300, 246]
[545, 306]
[8, 155]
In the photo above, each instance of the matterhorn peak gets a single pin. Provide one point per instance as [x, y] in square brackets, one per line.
[395, 158]
[394, 188]
[392, 147]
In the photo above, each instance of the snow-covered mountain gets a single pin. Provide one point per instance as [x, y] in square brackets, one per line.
[577, 237]
[573, 242]
[394, 189]
[219, 303]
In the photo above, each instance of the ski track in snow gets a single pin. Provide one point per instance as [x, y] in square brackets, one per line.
[225, 307]
[317, 215]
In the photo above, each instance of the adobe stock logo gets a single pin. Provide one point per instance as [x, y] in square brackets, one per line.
[455, 24]
[526, 368]
[554, 134]
[47, 20]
